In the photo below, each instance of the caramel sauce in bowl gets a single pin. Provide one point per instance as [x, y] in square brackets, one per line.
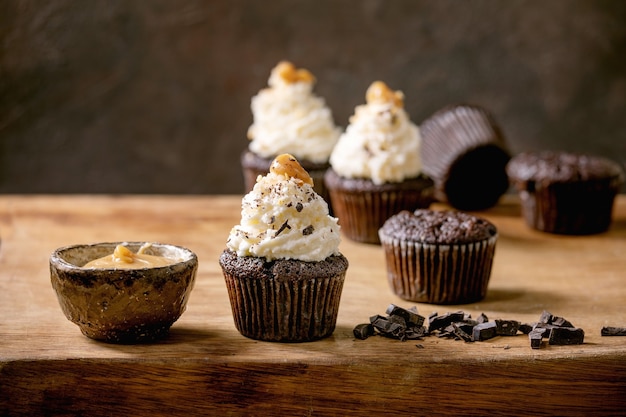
[123, 305]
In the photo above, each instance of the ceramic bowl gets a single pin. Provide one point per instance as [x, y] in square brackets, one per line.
[122, 305]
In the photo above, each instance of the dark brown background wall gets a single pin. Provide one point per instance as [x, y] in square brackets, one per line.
[154, 96]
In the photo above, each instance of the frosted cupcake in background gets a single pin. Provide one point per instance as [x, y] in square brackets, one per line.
[289, 118]
[376, 166]
[283, 269]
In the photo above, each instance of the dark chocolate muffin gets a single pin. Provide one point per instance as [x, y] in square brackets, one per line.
[363, 206]
[464, 151]
[254, 165]
[566, 193]
[284, 300]
[438, 257]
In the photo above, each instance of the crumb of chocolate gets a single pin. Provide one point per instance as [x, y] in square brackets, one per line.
[283, 227]
[308, 230]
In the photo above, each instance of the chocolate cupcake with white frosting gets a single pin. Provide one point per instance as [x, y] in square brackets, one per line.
[376, 166]
[289, 118]
[282, 266]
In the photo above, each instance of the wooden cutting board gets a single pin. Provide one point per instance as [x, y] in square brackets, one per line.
[206, 367]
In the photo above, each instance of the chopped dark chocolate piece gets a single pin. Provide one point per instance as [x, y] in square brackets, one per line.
[566, 336]
[536, 336]
[465, 325]
[546, 317]
[525, 328]
[543, 329]
[415, 333]
[484, 331]
[397, 319]
[561, 322]
[613, 331]
[507, 327]
[409, 315]
[460, 332]
[482, 318]
[440, 322]
[363, 331]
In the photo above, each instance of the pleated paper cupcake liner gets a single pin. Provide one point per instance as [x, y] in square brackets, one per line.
[362, 213]
[570, 208]
[285, 311]
[439, 274]
[463, 148]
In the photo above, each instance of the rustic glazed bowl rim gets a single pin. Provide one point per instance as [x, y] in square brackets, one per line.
[57, 258]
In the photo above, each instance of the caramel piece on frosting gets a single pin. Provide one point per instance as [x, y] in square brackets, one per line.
[290, 74]
[289, 166]
[380, 93]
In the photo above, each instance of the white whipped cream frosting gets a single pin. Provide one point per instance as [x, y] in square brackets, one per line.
[283, 218]
[289, 118]
[380, 143]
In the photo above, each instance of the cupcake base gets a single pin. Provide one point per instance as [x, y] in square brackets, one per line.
[439, 274]
[566, 193]
[577, 208]
[362, 206]
[284, 300]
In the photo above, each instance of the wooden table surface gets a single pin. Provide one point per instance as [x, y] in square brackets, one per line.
[206, 367]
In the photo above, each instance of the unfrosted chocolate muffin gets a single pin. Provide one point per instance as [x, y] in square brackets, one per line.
[284, 300]
[363, 206]
[438, 257]
[464, 151]
[566, 193]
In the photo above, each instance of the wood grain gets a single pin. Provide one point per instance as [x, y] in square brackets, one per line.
[206, 367]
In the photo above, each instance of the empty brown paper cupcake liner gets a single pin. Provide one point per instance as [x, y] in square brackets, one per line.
[467, 139]
[439, 274]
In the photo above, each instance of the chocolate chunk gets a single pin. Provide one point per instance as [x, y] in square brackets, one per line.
[613, 331]
[415, 333]
[536, 336]
[460, 332]
[484, 331]
[387, 327]
[548, 318]
[482, 318]
[410, 316]
[566, 336]
[507, 327]
[363, 331]
[525, 328]
[561, 322]
[440, 322]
